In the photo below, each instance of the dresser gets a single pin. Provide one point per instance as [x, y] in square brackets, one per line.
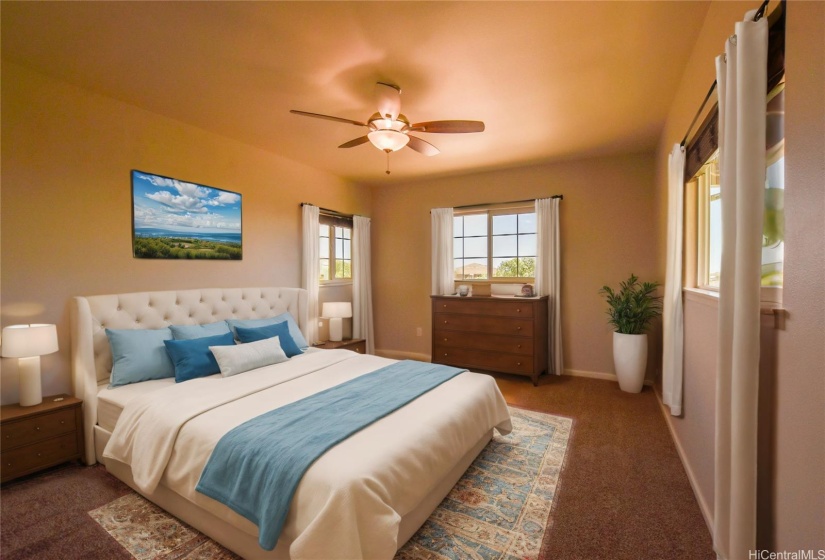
[33, 438]
[507, 335]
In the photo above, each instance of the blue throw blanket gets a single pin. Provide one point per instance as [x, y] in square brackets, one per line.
[259, 480]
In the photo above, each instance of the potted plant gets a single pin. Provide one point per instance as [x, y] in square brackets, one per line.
[631, 309]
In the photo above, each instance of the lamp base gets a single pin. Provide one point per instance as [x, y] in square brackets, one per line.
[30, 391]
[336, 329]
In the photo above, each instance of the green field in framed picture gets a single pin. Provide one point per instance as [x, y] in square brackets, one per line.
[173, 219]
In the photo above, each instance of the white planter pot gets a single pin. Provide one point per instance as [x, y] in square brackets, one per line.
[630, 360]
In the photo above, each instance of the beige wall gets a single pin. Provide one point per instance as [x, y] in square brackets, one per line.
[607, 232]
[799, 488]
[792, 376]
[66, 206]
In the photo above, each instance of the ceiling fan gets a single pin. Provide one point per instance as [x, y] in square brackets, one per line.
[389, 130]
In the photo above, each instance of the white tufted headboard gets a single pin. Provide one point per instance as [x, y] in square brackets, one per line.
[92, 356]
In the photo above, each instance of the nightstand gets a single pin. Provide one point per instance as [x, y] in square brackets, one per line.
[355, 344]
[33, 438]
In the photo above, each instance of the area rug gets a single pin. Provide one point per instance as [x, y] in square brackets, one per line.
[498, 510]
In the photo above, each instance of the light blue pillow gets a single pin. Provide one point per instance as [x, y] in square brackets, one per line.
[139, 355]
[193, 358]
[294, 331]
[281, 330]
[188, 332]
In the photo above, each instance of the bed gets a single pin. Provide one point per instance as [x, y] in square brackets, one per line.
[363, 498]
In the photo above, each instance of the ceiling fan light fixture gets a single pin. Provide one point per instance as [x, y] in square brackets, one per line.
[388, 140]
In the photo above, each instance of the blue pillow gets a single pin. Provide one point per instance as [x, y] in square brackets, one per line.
[193, 358]
[188, 332]
[281, 330]
[294, 331]
[139, 355]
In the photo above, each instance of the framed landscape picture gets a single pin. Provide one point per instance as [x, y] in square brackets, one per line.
[173, 219]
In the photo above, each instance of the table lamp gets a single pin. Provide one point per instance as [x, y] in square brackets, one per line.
[28, 343]
[335, 311]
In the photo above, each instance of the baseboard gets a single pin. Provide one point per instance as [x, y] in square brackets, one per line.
[598, 375]
[703, 506]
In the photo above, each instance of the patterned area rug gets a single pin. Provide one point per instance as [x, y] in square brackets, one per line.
[499, 510]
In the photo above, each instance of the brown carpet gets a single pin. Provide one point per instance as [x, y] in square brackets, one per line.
[624, 493]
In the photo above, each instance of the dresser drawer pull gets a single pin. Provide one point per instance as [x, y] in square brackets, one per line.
[519, 346]
[518, 310]
[445, 322]
[517, 328]
[445, 340]
[37, 428]
[518, 363]
[445, 306]
[62, 421]
[445, 354]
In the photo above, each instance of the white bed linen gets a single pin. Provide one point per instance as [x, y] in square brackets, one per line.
[350, 502]
[112, 401]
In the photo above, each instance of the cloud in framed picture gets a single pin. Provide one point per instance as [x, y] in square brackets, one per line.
[174, 219]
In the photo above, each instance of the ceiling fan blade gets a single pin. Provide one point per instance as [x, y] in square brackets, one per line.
[356, 142]
[422, 146]
[448, 126]
[327, 117]
[388, 97]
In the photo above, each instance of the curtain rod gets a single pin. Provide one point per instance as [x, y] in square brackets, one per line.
[329, 212]
[760, 13]
[559, 196]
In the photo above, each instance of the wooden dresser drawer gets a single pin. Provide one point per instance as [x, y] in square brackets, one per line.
[483, 324]
[32, 458]
[492, 361]
[483, 341]
[494, 308]
[36, 428]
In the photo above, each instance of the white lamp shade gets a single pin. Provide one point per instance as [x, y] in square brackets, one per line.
[337, 309]
[388, 140]
[25, 341]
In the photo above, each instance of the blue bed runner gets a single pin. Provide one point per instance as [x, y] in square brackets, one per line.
[258, 481]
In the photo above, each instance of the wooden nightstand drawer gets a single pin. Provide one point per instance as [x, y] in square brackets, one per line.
[40, 436]
[32, 458]
[37, 428]
[355, 344]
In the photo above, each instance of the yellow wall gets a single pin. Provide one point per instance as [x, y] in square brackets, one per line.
[607, 232]
[66, 206]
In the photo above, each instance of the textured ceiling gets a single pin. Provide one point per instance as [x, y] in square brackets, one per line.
[551, 80]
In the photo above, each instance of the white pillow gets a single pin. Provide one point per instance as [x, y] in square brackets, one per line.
[243, 357]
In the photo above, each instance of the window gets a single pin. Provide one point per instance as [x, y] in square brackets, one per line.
[707, 209]
[495, 243]
[335, 249]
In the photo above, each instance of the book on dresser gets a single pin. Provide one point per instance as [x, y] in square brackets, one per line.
[505, 335]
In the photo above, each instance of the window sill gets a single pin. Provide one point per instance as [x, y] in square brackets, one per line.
[335, 283]
[711, 299]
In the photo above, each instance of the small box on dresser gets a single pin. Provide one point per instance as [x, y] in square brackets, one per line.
[36, 437]
[507, 335]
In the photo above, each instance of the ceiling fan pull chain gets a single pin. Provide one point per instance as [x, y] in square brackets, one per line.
[388, 161]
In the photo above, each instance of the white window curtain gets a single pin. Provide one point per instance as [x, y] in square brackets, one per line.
[311, 267]
[548, 275]
[443, 274]
[362, 282]
[672, 319]
[742, 83]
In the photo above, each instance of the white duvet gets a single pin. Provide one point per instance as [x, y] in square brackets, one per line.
[350, 502]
